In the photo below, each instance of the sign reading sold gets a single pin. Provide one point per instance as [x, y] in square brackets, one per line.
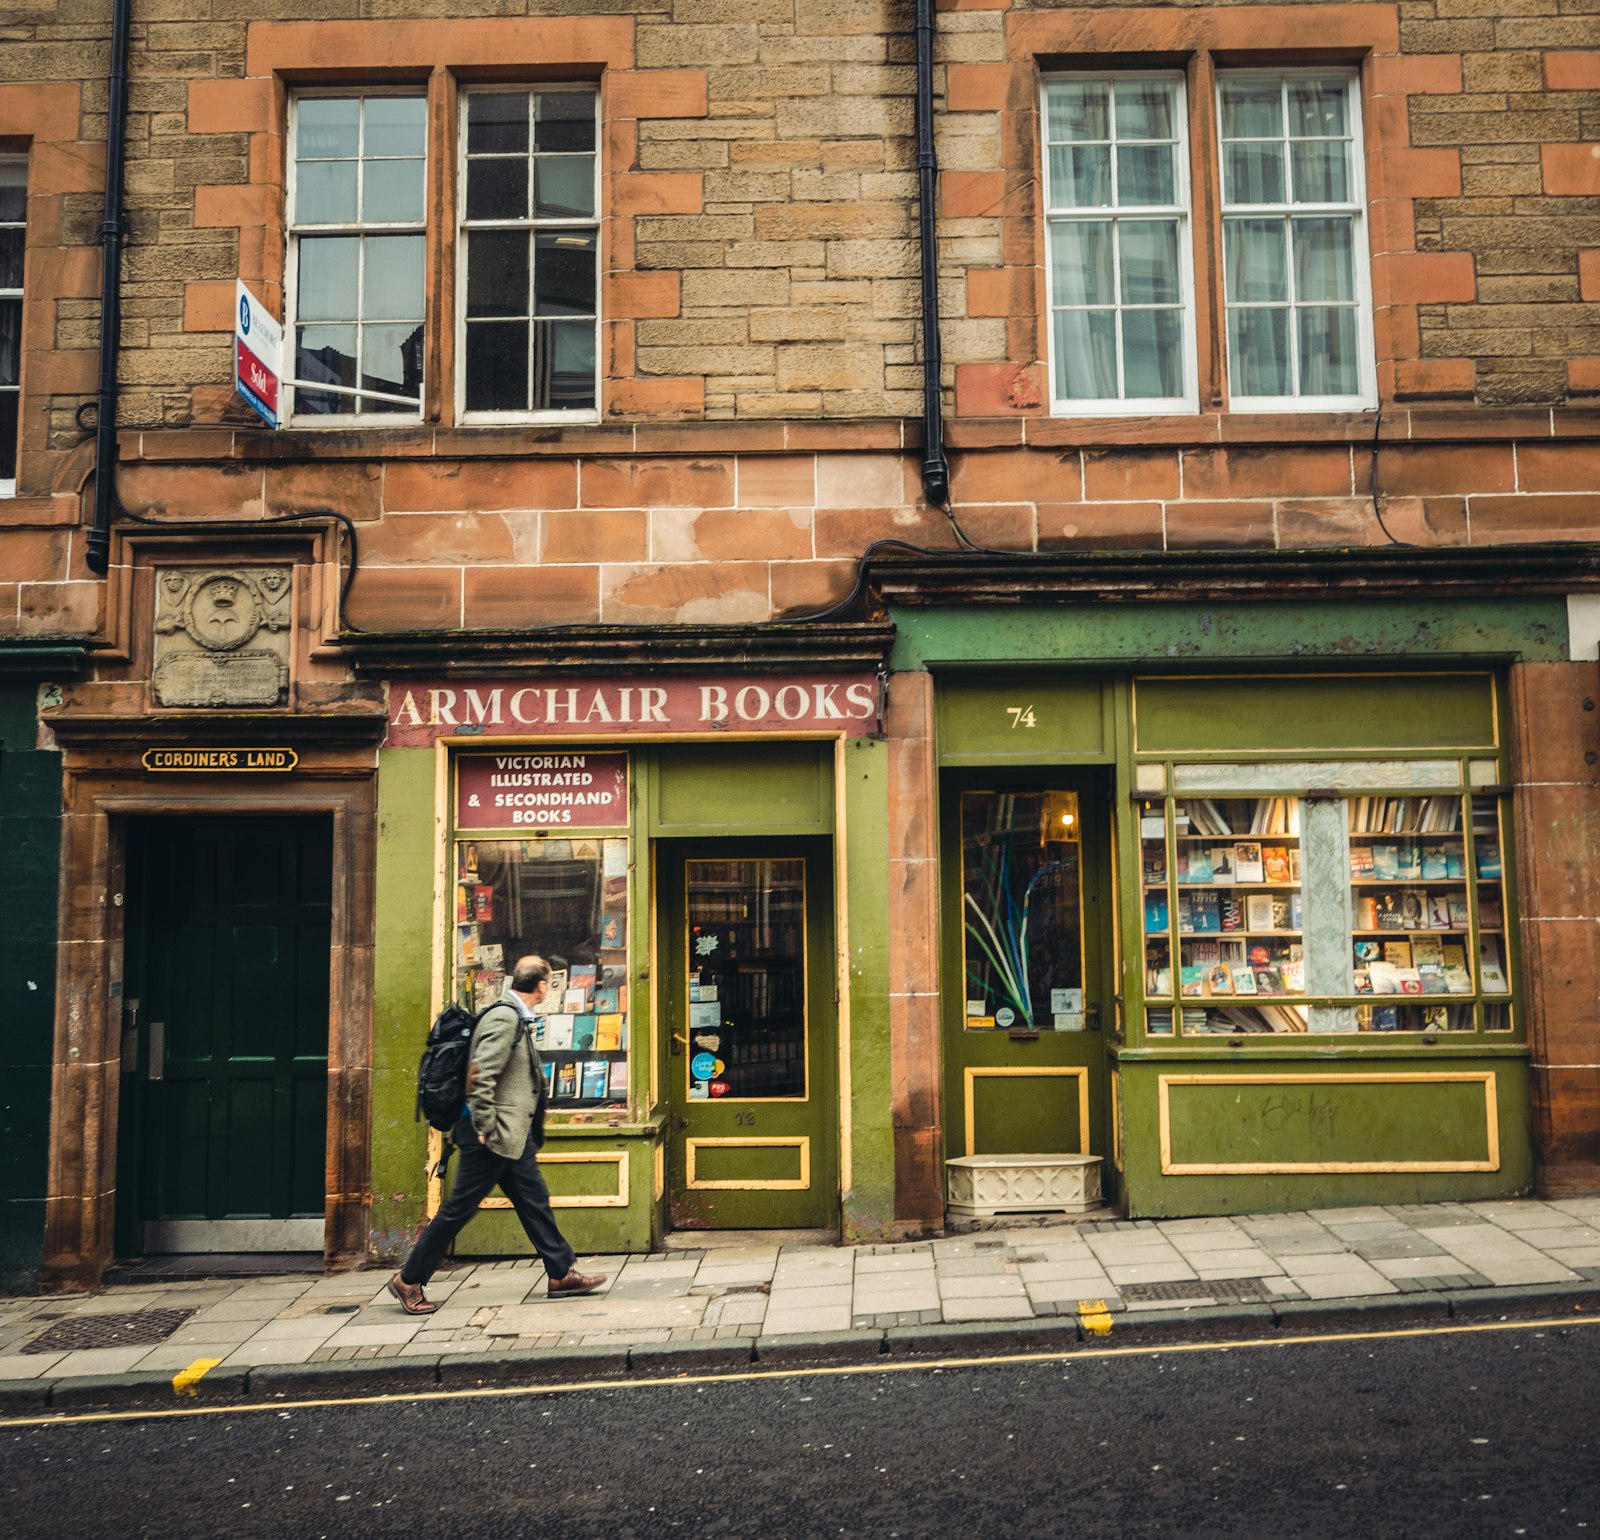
[257, 354]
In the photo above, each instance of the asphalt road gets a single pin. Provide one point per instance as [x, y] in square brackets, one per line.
[1433, 1433]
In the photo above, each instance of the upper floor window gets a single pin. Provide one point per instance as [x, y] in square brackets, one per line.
[13, 228]
[530, 245]
[1291, 295]
[527, 231]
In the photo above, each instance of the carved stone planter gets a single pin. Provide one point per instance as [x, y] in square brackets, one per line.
[982, 1186]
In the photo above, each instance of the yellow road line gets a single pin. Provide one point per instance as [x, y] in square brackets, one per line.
[890, 1366]
[185, 1380]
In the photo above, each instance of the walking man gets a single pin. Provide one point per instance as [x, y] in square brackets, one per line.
[499, 1136]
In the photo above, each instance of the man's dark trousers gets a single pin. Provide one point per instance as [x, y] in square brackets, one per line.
[478, 1172]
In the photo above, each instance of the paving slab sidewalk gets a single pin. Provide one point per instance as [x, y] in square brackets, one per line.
[1034, 1282]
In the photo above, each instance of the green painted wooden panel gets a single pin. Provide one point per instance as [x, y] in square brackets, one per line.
[1020, 718]
[587, 1178]
[1037, 1115]
[1267, 1123]
[1344, 713]
[744, 788]
[1534, 630]
[747, 1163]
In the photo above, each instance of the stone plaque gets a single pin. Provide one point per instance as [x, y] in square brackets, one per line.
[222, 636]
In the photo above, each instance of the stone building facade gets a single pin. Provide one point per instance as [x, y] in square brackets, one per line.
[1268, 397]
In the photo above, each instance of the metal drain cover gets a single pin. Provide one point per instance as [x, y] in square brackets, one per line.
[142, 1328]
[1224, 1291]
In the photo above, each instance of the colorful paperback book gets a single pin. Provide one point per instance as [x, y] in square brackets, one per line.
[566, 1080]
[1385, 1018]
[1366, 912]
[1155, 910]
[1385, 978]
[1361, 981]
[608, 1032]
[1360, 861]
[1192, 980]
[1398, 953]
[1410, 981]
[583, 1033]
[1231, 911]
[605, 1002]
[1244, 979]
[1438, 915]
[1426, 951]
[1220, 977]
[1269, 981]
[1221, 857]
[1293, 970]
[1489, 969]
[1367, 951]
[592, 1086]
[483, 903]
[1488, 859]
[558, 1031]
[1434, 863]
[1207, 911]
[1457, 912]
[575, 1001]
[1247, 865]
[618, 1088]
[1275, 862]
[1385, 863]
[1409, 859]
[1258, 912]
[613, 930]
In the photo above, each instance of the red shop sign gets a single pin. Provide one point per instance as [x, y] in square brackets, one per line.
[420, 713]
[542, 789]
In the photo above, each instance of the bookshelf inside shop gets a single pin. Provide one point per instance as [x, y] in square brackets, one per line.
[565, 900]
[1228, 884]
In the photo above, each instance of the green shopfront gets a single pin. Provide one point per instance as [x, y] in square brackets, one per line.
[1228, 891]
[700, 860]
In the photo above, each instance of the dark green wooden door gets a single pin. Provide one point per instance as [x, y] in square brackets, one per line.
[752, 1039]
[226, 1054]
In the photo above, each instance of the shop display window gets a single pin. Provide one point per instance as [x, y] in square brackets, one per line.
[1332, 912]
[565, 899]
[1022, 911]
[747, 978]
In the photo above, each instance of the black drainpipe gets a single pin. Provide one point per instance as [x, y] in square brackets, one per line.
[98, 553]
[935, 468]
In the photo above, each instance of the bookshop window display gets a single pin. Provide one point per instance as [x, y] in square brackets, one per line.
[1336, 910]
[1022, 911]
[566, 899]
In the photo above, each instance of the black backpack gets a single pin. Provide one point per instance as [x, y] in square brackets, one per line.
[442, 1072]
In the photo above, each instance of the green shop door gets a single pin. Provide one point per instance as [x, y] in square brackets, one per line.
[225, 1035]
[749, 1013]
[1028, 966]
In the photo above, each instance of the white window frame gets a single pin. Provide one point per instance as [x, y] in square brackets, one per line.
[1186, 403]
[1355, 209]
[531, 226]
[291, 283]
[8, 484]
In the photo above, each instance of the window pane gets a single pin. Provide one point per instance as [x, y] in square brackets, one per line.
[497, 189]
[1324, 264]
[327, 125]
[1149, 249]
[1080, 177]
[1256, 268]
[392, 194]
[497, 124]
[565, 187]
[563, 275]
[325, 192]
[391, 361]
[1146, 109]
[1086, 355]
[1081, 269]
[10, 341]
[1327, 351]
[396, 125]
[325, 354]
[393, 286]
[497, 273]
[1079, 110]
[1258, 352]
[11, 259]
[1321, 171]
[1145, 174]
[13, 190]
[497, 366]
[327, 284]
[1252, 173]
[565, 121]
[1317, 107]
[1251, 109]
[1152, 359]
[8, 435]
[563, 365]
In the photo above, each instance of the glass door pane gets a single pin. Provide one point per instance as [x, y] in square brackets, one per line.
[746, 972]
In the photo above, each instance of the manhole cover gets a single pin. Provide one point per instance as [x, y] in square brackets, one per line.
[1223, 1290]
[143, 1328]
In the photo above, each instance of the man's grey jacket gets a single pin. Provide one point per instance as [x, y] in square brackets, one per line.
[505, 1083]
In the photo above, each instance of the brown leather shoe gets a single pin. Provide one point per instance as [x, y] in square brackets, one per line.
[575, 1283]
[412, 1300]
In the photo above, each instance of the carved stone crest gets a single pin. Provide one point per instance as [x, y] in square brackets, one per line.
[222, 636]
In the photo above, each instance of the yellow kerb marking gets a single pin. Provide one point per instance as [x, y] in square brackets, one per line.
[1093, 1316]
[183, 1384]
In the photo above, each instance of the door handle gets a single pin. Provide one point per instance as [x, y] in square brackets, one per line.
[130, 1037]
[157, 1067]
[679, 1042]
[1091, 1017]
